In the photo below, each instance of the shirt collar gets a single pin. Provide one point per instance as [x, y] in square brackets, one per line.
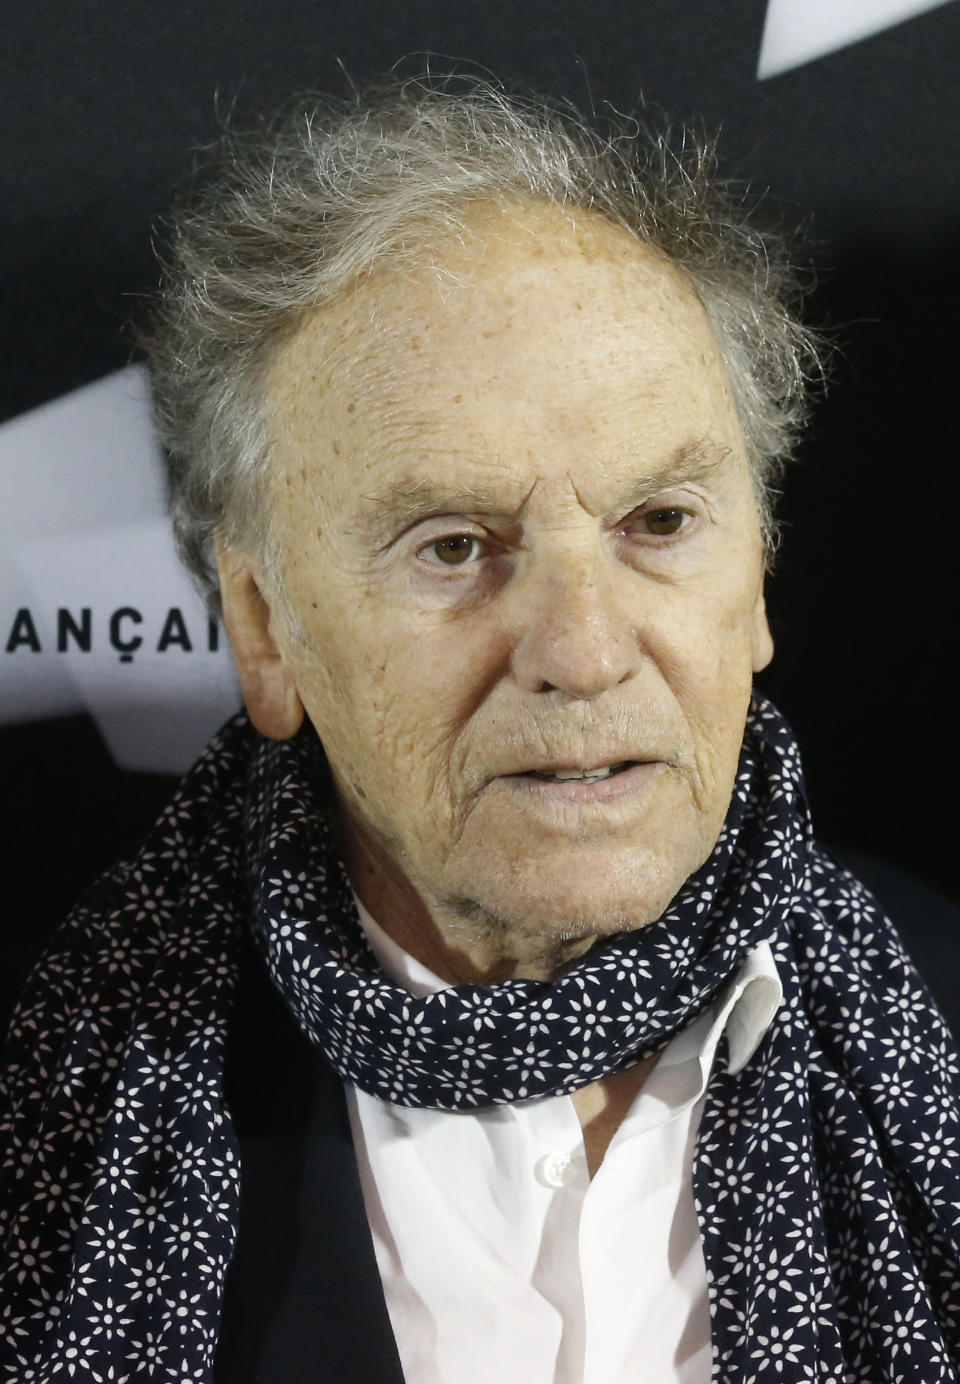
[748, 1005]
[744, 1008]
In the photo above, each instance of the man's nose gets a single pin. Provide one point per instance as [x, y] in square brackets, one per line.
[571, 629]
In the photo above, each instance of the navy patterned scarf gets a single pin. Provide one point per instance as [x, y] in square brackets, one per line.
[827, 1169]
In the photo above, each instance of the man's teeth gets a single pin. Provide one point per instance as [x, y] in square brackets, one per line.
[588, 774]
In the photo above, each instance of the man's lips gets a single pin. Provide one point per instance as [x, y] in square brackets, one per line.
[621, 784]
[615, 760]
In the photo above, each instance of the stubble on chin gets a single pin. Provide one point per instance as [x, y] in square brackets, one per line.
[544, 946]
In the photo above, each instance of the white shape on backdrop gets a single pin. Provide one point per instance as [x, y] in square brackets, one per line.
[797, 31]
[96, 613]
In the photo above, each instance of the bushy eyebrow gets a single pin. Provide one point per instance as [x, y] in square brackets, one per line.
[407, 501]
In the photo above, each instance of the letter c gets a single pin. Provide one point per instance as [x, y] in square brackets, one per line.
[125, 646]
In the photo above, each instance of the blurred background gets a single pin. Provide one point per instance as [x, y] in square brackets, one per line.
[848, 112]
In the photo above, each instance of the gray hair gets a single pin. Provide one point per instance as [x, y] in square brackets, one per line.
[313, 198]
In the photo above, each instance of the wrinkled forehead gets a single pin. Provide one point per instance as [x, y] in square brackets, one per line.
[533, 342]
[496, 268]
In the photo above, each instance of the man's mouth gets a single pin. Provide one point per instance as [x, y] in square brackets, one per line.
[584, 775]
[566, 785]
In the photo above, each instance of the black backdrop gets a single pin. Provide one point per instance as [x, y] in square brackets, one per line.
[101, 105]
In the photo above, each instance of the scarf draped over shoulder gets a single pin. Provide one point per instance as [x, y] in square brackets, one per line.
[827, 1167]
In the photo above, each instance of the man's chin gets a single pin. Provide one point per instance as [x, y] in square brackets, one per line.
[560, 915]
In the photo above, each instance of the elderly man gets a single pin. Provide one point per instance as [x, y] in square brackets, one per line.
[624, 1078]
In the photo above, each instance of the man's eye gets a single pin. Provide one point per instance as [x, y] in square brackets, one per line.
[663, 522]
[454, 550]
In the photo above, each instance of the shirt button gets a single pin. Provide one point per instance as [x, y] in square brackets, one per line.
[556, 1170]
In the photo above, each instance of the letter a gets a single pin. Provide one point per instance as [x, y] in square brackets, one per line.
[174, 632]
[24, 631]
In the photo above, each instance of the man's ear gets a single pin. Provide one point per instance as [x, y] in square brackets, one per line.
[762, 638]
[269, 690]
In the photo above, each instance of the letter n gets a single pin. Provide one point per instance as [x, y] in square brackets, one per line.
[67, 628]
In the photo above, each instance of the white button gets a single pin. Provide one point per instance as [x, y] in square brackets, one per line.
[556, 1170]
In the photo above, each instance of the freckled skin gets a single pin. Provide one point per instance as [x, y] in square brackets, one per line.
[552, 365]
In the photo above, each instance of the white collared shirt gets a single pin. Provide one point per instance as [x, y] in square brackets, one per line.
[503, 1263]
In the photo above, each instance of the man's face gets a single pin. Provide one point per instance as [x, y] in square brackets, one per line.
[520, 537]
